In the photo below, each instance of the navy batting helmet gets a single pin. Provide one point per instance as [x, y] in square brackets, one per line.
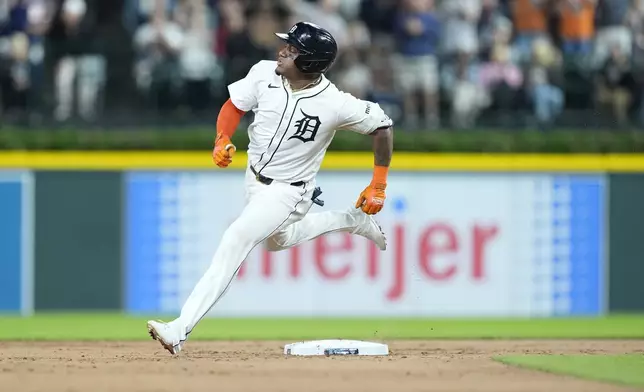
[316, 45]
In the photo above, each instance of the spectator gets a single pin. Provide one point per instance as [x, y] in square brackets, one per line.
[612, 28]
[261, 28]
[78, 61]
[636, 25]
[196, 60]
[614, 84]
[349, 9]
[15, 81]
[530, 20]
[239, 51]
[501, 80]
[576, 26]
[354, 76]
[22, 25]
[460, 36]
[382, 89]
[326, 14]
[139, 12]
[376, 14]
[39, 18]
[359, 35]
[493, 28]
[467, 99]
[543, 76]
[249, 39]
[158, 44]
[417, 32]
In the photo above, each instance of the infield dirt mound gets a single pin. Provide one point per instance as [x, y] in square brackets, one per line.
[261, 366]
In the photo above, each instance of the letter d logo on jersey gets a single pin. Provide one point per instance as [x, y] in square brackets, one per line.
[306, 128]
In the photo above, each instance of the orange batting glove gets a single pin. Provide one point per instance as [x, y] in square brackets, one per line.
[372, 198]
[223, 152]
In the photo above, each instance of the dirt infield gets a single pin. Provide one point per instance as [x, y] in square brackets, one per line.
[261, 366]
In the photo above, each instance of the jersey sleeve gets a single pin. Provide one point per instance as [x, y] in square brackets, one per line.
[362, 116]
[244, 92]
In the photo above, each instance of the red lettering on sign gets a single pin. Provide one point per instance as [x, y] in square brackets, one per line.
[398, 285]
[267, 262]
[372, 260]
[442, 253]
[242, 270]
[324, 250]
[481, 237]
[437, 240]
[296, 266]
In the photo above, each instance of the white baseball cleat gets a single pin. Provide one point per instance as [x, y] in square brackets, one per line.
[167, 335]
[369, 228]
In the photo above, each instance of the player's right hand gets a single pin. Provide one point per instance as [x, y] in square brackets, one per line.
[223, 152]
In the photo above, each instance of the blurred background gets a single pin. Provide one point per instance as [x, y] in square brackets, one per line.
[430, 63]
[471, 234]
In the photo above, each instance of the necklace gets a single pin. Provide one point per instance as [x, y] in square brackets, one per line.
[313, 83]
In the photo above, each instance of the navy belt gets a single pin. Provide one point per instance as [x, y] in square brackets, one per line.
[268, 181]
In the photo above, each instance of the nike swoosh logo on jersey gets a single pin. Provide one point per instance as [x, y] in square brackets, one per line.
[270, 85]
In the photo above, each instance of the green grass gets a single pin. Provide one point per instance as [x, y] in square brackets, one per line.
[622, 369]
[121, 327]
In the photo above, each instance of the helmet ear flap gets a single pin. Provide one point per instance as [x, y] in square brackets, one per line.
[312, 66]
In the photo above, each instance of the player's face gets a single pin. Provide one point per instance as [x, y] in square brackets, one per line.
[286, 60]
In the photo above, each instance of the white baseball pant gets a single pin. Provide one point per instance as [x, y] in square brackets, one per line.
[275, 213]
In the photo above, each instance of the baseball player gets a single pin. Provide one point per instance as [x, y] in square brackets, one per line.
[297, 112]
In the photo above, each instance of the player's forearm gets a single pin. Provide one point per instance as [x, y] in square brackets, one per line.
[228, 120]
[383, 146]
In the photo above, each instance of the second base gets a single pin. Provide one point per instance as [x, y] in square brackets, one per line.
[336, 347]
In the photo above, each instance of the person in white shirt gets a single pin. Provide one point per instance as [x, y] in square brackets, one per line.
[297, 112]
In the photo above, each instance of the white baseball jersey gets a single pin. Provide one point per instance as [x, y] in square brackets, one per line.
[292, 130]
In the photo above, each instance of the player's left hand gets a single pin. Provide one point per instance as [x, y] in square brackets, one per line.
[223, 152]
[372, 198]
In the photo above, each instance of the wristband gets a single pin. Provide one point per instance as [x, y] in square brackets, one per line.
[380, 175]
[225, 140]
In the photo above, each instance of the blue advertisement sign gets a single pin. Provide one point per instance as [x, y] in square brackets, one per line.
[16, 242]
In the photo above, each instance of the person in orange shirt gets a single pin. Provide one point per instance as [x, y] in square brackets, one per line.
[530, 22]
[577, 25]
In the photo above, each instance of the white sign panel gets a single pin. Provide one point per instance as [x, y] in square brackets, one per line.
[459, 245]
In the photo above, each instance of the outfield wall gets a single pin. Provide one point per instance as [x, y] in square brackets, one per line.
[16, 241]
[509, 240]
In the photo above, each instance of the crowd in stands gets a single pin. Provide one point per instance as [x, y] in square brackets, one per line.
[429, 63]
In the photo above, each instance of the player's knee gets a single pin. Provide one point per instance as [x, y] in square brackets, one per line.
[277, 241]
[274, 245]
